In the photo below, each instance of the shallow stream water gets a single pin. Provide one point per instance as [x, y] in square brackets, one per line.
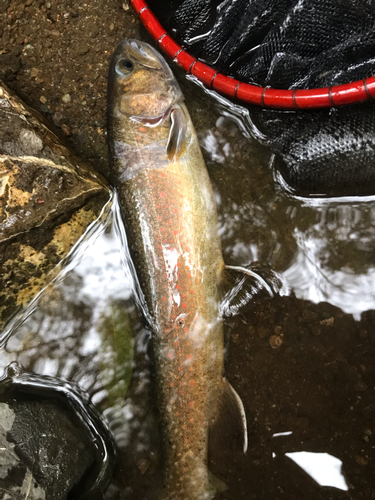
[302, 362]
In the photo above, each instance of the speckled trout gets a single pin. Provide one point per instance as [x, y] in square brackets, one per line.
[169, 212]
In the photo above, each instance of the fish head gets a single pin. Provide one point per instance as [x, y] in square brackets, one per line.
[141, 84]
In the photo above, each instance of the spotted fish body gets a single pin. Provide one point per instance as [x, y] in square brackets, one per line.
[169, 213]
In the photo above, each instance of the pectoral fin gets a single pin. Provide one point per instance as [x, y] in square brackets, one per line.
[242, 284]
[177, 134]
[229, 427]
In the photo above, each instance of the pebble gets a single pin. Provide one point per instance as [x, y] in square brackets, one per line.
[83, 51]
[328, 322]
[57, 119]
[66, 98]
[125, 6]
[363, 461]
[66, 129]
[144, 465]
[42, 99]
[275, 341]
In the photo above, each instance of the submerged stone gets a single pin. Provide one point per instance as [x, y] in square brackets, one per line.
[54, 444]
[44, 453]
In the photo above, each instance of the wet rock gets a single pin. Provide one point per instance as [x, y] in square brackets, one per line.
[48, 198]
[44, 452]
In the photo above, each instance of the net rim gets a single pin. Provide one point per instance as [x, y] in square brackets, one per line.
[267, 97]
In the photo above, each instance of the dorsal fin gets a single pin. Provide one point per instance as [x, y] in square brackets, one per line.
[229, 427]
[177, 134]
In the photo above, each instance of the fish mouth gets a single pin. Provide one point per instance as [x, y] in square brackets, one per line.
[141, 52]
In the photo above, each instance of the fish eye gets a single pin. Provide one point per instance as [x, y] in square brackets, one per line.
[127, 64]
[124, 67]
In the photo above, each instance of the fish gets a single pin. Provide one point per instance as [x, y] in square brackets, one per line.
[168, 209]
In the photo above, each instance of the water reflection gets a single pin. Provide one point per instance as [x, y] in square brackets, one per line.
[72, 314]
[322, 248]
[323, 467]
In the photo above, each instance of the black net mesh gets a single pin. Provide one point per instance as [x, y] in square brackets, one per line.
[293, 44]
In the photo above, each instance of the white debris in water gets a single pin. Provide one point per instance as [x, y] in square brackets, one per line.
[278, 434]
[324, 468]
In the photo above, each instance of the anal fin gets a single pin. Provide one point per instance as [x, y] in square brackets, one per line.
[229, 427]
[217, 484]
